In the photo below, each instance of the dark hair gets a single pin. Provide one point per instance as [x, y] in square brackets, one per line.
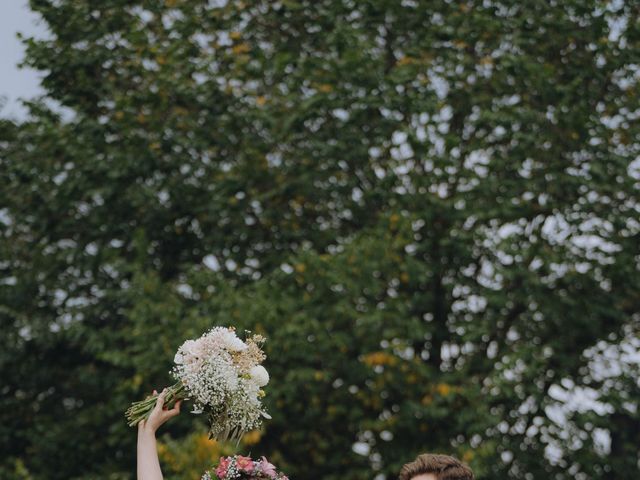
[444, 467]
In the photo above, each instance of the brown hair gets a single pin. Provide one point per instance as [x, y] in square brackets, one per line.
[443, 467]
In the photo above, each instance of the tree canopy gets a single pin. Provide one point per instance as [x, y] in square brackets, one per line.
[429, 208]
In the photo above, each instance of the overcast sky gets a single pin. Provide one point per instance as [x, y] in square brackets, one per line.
[14, 82]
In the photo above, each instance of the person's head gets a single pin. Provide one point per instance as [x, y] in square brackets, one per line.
[430, 466]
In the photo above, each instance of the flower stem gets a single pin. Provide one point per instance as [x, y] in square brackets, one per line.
[141, 410]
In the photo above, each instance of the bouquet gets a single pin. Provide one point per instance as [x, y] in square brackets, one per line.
[223, 376]
[244, 468]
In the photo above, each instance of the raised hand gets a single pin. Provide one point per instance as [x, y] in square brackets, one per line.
[160, 413]
[148, 465]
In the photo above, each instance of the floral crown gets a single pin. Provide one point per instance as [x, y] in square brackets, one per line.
[238, 467]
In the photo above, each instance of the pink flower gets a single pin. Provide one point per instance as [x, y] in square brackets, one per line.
[244, 464]
[221, 471]
[268, 469]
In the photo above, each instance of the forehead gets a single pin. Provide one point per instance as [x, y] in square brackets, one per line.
[425, 476]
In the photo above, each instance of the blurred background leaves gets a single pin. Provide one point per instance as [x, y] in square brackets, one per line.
[429, 208]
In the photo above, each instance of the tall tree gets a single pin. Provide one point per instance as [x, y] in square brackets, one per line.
[430, 208]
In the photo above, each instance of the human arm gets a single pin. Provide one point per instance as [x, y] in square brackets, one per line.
[148, 464]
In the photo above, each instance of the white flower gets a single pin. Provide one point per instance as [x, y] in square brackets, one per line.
[259, 375]
[232, 342]
[187, 349]
[178, 358]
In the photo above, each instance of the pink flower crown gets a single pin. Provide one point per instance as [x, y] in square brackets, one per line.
[238, 467]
